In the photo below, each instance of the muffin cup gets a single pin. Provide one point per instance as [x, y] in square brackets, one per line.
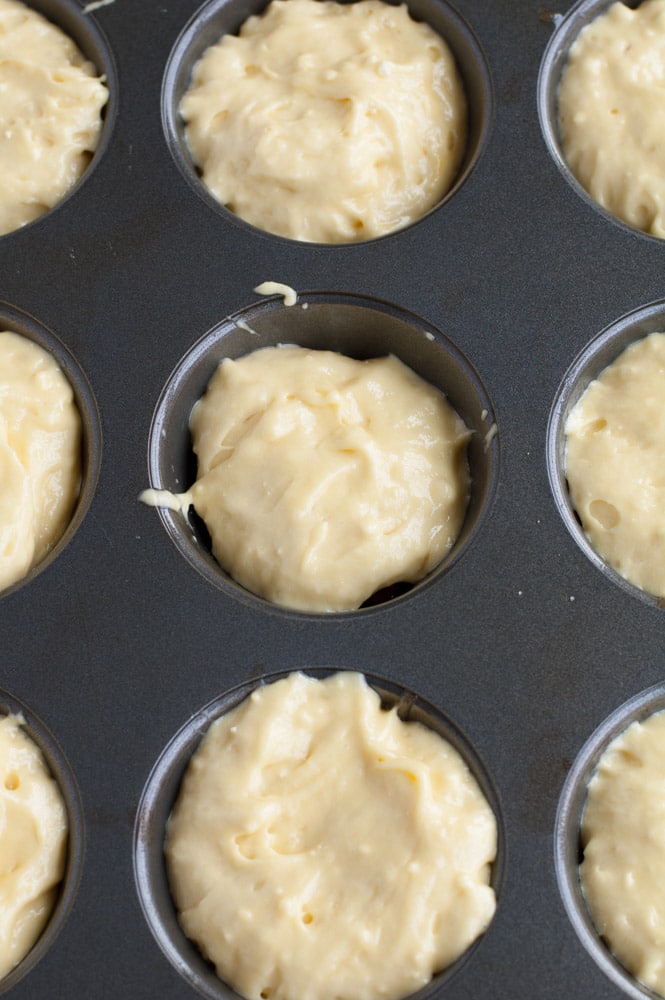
[90, 39]
[64, 777]
[355, 326]
[567, 844]
[596, 356]
[222, 17]
[161, 790]
[566, 30]
[16, 321]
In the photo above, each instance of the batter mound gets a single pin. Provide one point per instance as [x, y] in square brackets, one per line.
[623, 834]
[327, 122]
[50, 114]
[615, 457]
[612, 113]
[40, 455]
[322, 479]
[320, 847]
[33, 839]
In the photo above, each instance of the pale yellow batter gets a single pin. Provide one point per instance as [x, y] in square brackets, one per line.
[320, 847]
[623, 834]
[50, 114]
[612, 113]
[323, 479]
[327, 122]
[40, 455]
[33, 839]
[615, 463]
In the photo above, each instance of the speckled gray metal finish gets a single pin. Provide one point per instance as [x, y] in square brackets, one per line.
[522, 642]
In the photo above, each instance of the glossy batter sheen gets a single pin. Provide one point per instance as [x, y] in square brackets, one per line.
[322, 479]
[50, 114]
[623, 832]
[327, 122]
[33, 839]
[615, 463]
[40, 455]
[612, 113]
[320, 847]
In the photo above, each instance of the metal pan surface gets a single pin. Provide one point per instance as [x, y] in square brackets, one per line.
[523, 642]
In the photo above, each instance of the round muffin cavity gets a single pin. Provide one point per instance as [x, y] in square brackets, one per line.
[33, 842]
[623, 840]
[611, 116]
[40, 455]
[51, 103]
[321, 845]
[357, 122]
[614, 461]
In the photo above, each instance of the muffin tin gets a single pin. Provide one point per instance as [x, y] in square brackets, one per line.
[523, 643]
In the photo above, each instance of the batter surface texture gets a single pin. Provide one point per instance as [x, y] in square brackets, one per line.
[615, 463]
[320, 847]
[323, 479]
[612, 113]
[40, 455]
[623, 833]
[50, 114]
[327, 122]
[33, 838]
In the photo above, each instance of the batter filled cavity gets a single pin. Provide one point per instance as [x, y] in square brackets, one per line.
[327, 122]
[33, 840]
[40, 455]
[322, 847]
[323, 479]
[615, 457]
[51, 103]
[612, 114]
[623, 871]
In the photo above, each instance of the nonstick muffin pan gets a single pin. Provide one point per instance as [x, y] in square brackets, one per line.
[523, 643]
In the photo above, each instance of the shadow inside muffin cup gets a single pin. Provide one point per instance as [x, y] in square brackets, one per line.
[351, 325]
[61, 771]
[596, 356]
[14, 320]
[91, 40]
[161, 790]
[567, 836]
[222, 17]
[555, 56]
